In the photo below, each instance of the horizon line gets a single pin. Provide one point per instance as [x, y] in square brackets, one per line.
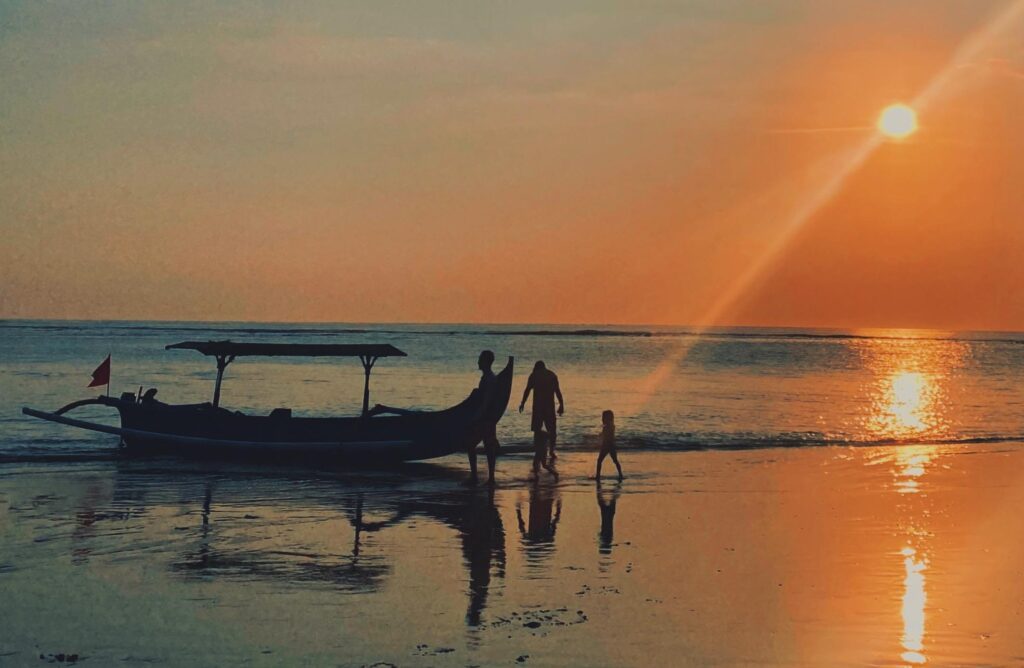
[696, 329]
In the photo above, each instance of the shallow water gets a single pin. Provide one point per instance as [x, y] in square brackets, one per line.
[818, 556]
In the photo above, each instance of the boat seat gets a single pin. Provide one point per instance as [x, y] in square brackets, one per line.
[281, 413]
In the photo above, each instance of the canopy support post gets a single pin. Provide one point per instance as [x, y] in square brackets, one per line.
[222, 363]
[368, 362]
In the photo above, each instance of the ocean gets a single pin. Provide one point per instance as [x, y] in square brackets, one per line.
[671, 388]
[791, 497]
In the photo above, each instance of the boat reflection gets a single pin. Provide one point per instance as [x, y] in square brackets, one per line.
[225, 557]
[85, 525]
[292, 539]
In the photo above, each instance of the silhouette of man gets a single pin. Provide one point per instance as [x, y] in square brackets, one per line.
[544, 384]
[484, 428]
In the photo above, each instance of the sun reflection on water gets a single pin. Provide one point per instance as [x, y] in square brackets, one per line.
[911, 462]
[907, 405]
[910, 465]
[914, 598]
[909, 394]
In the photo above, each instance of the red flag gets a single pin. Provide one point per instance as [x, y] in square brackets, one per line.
[101, 376]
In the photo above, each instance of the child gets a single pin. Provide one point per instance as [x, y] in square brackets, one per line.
[608, 442]
[540, 449]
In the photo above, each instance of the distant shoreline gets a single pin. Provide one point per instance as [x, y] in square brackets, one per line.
[526, 329]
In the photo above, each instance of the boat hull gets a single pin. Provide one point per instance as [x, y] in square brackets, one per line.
[203, 431]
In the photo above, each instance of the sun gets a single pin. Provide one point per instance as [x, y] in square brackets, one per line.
[897, 121]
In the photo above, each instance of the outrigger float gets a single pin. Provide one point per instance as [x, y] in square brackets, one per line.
[207, 430]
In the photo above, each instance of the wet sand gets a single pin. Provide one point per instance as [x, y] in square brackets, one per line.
[816, 556]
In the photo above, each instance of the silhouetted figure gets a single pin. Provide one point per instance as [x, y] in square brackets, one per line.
[483, 541]
[484, 427]
[544, 384]
[608, 443]
[606, 504]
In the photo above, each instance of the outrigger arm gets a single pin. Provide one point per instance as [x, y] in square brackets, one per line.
[222, 363]
[368, 362]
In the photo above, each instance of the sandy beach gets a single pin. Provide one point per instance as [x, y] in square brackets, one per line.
[815, 556]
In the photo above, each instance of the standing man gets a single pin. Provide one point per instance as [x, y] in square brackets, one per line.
[485, 427]
[544, 384]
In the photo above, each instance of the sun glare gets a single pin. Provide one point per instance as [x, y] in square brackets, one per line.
[897, 121]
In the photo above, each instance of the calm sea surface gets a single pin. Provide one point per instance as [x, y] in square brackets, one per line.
[670, 388]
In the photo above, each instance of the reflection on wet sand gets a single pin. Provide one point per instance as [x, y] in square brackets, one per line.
[473, 514]
[224, 558]
[606, 502]
[914, 599]
[827, 564]
[483, 542]
[910, 464]
[537, 532]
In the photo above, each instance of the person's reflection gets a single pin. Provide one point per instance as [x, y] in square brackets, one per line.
[483, 541]
[606, 500]
[538, 531]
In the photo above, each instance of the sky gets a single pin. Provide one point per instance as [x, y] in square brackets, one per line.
[697, 162]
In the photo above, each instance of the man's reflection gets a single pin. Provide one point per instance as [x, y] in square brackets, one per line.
[538, 531]
[483, 541]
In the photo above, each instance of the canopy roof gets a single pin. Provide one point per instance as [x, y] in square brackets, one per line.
[220, 348]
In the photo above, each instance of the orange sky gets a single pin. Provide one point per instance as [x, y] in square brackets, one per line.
[590, 163]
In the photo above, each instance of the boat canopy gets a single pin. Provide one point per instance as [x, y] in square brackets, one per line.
[227, 351]
[226, 348]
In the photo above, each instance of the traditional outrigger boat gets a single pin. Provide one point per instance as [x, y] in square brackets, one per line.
[207, 430]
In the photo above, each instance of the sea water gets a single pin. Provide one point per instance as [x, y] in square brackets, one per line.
[671, 388]
[791, 497]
